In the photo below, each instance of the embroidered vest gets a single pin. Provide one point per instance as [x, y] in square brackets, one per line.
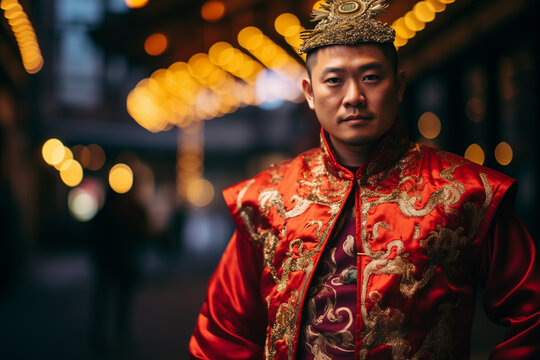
[422, 215]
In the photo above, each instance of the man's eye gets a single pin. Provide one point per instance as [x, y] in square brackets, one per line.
[371, 77]
[333, 80]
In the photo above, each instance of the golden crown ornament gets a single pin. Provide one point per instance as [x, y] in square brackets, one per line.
[347, 22]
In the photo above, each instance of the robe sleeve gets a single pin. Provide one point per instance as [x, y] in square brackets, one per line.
[232, 321]
[511, 277]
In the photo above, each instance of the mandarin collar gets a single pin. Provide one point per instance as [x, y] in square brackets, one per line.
[391, 148]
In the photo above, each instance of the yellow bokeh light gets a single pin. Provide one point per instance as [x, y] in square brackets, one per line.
[424, 11]
[429, 125]
[475, 153]
[213, 10]
[200, 65]
[68, 155]
[413, 23]
[504, 153]
[402, 30]
[58, 155]
[438, 5]
[121, 178]
[446, 1]
[399, 41]
[287, 24]
[71, 173]
[217, 51]
[155, 44]
[49, 148]
[200, 192]
[136, 3]
[250, 37]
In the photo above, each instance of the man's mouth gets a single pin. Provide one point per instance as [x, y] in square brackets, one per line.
[357, 118]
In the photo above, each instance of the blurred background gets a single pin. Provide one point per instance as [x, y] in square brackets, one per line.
[122, 120]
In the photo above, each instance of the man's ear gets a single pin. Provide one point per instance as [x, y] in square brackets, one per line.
[401, 82]
[308, 92]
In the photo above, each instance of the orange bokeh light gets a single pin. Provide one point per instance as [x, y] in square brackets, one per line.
[213, 10]
[136, 3]
[155, 44]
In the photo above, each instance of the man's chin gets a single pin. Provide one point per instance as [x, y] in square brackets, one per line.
[360, 142]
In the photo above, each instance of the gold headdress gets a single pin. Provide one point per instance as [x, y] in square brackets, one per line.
[347, 22]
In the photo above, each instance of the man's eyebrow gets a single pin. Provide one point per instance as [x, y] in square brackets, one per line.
[368, 66]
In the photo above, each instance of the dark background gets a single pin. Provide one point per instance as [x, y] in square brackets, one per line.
[130, 282]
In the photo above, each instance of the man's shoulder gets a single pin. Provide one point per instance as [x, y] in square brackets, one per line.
[276, 175]
[442, 160]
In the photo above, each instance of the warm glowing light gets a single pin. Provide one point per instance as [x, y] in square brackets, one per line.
[287, 24]
[429, 125]
[71, 172]
[97, 157]
[424, 11]
[213, 10]
[318, 4]
[200, 192]
[82, 204]
[413, 23]
[25, 36]
[475, 153]
[155, 44]
[438, 5]
[136, 3]
[504, 153]
[402, 30]
[250, 37]
[68, 155]
[53, 151]
[121, 178]
[447, 1]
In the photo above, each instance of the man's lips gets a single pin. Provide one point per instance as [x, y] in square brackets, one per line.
[357, 118]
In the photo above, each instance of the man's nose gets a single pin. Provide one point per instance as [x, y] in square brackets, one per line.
[354, 95]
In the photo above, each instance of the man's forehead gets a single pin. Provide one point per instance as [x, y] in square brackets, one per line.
[346, 56]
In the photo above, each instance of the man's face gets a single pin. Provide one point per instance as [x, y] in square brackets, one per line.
[354, 92]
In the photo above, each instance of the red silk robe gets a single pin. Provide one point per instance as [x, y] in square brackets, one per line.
[425, 240]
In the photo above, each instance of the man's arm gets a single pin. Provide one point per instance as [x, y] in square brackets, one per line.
[232, 321]
[511, 275]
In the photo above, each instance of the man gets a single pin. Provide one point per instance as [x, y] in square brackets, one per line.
[369, 247]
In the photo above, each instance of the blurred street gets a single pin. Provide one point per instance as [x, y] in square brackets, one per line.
[48, 317]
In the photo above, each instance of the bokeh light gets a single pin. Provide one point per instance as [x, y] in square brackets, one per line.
[155, 44]
[82, 204]
[53, 151]
[200, 192]
[121, 178]
[429, 125]
[136, 3]
[475, 153]
[213, 10]
[97, 157]
[25, 35]
[287, 24]
[71, 172]
[504, 153]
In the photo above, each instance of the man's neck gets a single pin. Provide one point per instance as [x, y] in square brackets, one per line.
[352, 155]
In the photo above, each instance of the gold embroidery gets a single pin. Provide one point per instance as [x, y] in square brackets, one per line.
[318, 187]
[284, 327]
[349, 246]
[384, 326]
[376, 228]
[417, 231]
